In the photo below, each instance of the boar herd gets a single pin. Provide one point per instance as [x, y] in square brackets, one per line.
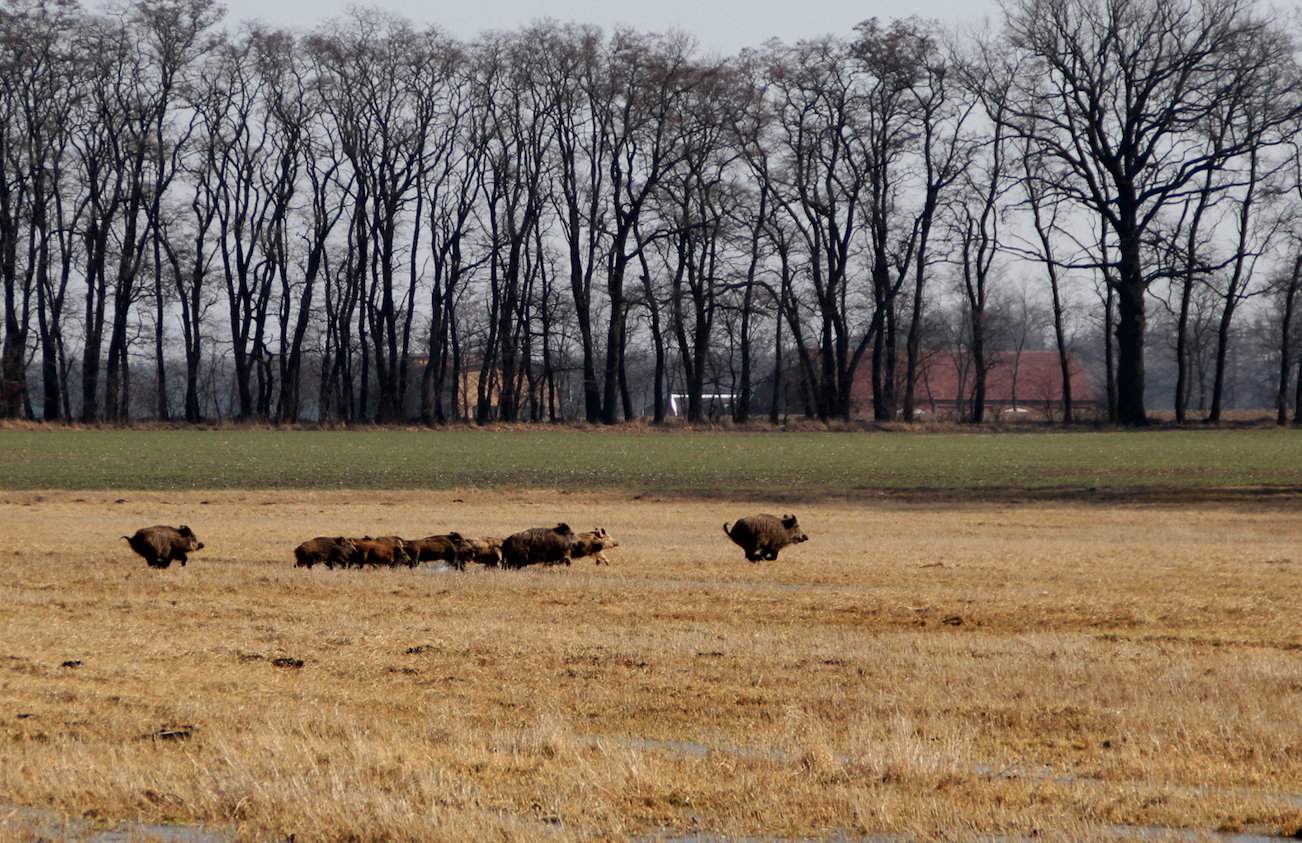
[543, 545]
[762, 537]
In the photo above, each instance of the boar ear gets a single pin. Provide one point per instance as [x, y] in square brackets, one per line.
[183, 529]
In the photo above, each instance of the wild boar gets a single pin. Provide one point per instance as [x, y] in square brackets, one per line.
[549, 545]
[161, 546]
[594, 544]
[324, 550]
[446, 548]
[486, 551]
[389, 551]
[762, 536]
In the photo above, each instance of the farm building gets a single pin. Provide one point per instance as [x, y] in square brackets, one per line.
[1025, 384]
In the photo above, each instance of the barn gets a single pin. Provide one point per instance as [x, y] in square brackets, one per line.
[1025, 384]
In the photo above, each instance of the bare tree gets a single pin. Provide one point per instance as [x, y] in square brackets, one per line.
[942, 110]
[699, 191]
[1123, 122]
[976, 223]
[819, 171]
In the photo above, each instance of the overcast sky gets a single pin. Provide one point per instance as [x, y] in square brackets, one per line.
[719, 25]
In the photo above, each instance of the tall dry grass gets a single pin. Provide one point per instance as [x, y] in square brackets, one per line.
[936, 672]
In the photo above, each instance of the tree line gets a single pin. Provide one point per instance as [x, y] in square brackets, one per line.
[370, 217]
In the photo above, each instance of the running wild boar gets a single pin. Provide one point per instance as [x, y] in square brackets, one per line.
[549, 545]
[161, 546]
[446, 548]
[486, 551]
[763, 536]
[594, 544]
[389, 551]
[336, 552]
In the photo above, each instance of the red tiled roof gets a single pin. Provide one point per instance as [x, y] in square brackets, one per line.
[1032, 377]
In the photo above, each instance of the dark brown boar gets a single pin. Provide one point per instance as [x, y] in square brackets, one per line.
[446, 548]
[325, 550]
[486, 551]
[389, 551]
[547, 545]
[594, 544]
[762, 536]
[161, 545]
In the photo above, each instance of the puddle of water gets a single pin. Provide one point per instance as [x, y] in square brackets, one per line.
[1157, 834]
[1048, 774]
[671, 836]
[1039, 775]
[1177, 835]
[54, 826]
[692, 749]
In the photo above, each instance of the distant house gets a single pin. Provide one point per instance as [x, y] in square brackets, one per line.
[1025, 385]
[467, 391]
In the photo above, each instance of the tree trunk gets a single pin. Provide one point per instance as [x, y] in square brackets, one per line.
[980, 367]
[1297, 398]
[775, 399]
[1109, 349]
[1222, 352]
[1182, 351]
[160, 362]
[50, 379]
[913, 343]
[1285, 341]
[96, 296]
[657, 341]
[1131, 324]
[614, 341]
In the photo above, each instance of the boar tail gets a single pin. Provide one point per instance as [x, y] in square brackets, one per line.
[727, 531]
[125, 538]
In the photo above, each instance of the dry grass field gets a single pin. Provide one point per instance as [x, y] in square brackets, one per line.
[937, 671]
